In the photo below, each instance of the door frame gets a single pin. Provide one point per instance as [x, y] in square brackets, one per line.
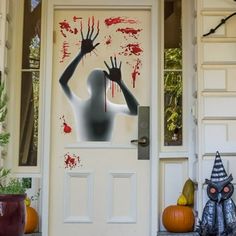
[48, 8]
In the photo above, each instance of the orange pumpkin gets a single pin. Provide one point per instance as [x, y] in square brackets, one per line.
[178, 219]
[32, 220]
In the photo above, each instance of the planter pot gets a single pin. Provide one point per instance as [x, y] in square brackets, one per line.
[12, 214]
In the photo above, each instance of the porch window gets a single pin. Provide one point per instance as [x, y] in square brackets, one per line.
[30, 82]
[173, 76]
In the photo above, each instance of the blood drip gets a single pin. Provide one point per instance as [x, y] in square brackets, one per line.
[67, 129]
[136, 71]
[105, 91]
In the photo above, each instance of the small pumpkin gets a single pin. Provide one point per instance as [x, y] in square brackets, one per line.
[178, 219]
[32, 219]
[182, 201]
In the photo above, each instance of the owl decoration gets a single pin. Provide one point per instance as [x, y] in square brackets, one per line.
[219, 213]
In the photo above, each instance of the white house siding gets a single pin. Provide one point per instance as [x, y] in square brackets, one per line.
[216, 70]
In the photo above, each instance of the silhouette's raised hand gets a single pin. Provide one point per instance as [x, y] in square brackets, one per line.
[114, 71]
[115, 75]
[87, 44]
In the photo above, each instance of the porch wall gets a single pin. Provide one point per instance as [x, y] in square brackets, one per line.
[216, 73]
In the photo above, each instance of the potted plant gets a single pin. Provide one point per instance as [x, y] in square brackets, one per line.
[12, 206]
[12, 190]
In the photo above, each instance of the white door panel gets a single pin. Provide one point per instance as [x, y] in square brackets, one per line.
[99, 187]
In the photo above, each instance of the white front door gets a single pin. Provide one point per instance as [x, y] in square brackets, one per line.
[102, 70]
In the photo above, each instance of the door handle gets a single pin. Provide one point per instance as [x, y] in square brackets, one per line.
[143, 141]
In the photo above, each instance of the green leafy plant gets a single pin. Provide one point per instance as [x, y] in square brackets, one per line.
[11, 185]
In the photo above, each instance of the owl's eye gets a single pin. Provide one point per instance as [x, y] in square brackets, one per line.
[226, 189]
[212, 190]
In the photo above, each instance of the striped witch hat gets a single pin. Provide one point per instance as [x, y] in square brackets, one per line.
[218, 172]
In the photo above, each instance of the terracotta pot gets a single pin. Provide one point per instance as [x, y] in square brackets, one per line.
[12, 214]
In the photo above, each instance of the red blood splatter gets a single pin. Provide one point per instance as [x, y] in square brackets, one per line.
[131, 49]
[130, 31]
[75, 31]
[136, 71]
[66, 128]
[65, 52]
[76, 18]
[71, 161]
[66, 28]
[64, 25]
[108, 39]
[118, 20]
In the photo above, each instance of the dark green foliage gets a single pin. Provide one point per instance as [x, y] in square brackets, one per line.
[173, 87]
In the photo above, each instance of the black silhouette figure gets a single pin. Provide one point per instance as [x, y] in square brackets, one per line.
[95, 116]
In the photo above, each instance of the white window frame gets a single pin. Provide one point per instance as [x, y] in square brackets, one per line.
[15, 98]
[186, 150]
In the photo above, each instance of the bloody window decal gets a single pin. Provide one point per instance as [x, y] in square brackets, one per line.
[89, 39]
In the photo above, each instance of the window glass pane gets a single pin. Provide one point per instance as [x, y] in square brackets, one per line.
[173, 107]
[29, 119]
[31, 34]
[30, 84]
[173, 81]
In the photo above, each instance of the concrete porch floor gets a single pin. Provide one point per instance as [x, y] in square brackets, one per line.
[176, 234]
[158, 234]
